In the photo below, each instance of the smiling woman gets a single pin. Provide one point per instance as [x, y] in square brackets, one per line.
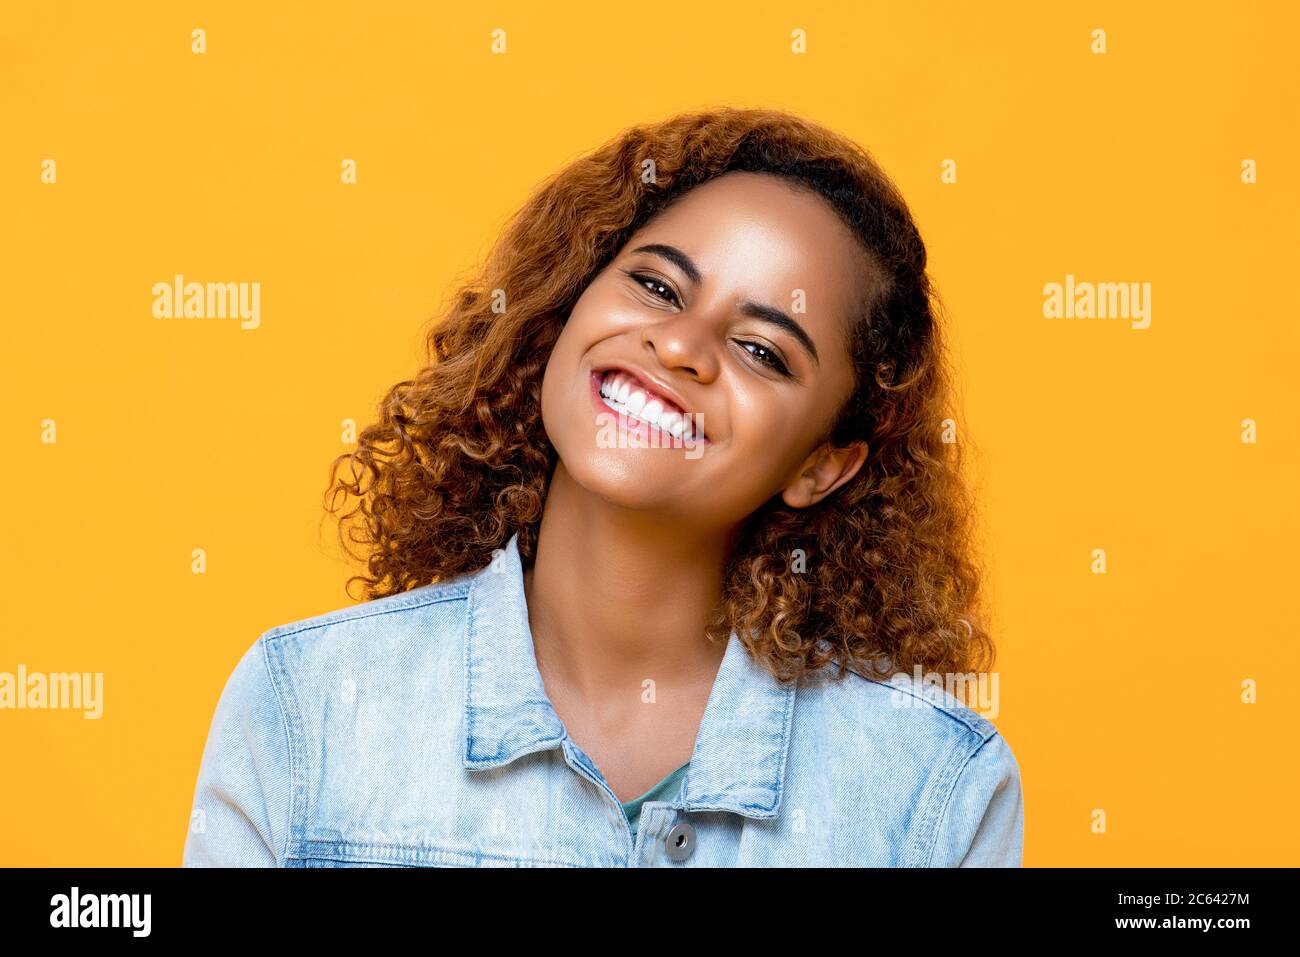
[582, 652]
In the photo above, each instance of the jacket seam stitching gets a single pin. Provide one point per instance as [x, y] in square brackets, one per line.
[290, 742]
[947, 801]
[962, 714]
[467, 712]
[273, 634]
[318, 849]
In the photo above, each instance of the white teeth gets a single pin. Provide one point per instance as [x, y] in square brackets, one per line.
[621, 394]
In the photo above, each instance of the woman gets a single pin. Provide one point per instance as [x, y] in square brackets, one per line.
[658, 543]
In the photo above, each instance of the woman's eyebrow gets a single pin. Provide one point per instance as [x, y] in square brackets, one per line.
[756, 310]
[674, 256]
[782, 321]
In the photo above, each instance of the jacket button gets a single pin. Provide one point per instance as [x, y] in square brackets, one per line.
[680, 843]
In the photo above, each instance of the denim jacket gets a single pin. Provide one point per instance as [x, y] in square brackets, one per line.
[414, 730]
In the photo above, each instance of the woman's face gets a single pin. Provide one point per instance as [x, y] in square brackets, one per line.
[732, 306]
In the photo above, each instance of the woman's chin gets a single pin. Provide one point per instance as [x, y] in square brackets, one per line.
[631, 478]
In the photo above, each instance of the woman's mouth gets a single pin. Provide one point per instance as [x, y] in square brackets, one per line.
[642, 411]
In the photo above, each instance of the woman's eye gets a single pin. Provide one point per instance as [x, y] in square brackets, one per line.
[768, 357]
[656, 287]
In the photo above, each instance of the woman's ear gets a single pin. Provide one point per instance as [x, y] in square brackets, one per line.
[823, 472]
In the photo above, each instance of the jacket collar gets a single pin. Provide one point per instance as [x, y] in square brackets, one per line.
[740, 750]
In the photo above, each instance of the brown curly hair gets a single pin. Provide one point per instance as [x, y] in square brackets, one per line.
[458, 460]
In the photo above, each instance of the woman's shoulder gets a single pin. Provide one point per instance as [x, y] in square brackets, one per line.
[386, 647]
[924, 762]
[385, 639]
[377, 613]
[937, 701]
[919, 721]
[387, 666]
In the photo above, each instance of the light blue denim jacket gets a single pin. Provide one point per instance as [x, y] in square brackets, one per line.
[414, 730]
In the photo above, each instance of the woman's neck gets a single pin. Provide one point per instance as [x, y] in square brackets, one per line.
[617, 597]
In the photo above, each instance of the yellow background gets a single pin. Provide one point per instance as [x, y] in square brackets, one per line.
[1119, 692]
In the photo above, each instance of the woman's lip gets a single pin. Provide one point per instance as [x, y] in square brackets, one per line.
[645, 385]
[627, 422]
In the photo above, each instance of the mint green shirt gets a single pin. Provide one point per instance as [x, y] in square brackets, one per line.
[665, 790]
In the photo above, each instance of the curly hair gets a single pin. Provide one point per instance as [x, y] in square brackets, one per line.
[458, 460]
